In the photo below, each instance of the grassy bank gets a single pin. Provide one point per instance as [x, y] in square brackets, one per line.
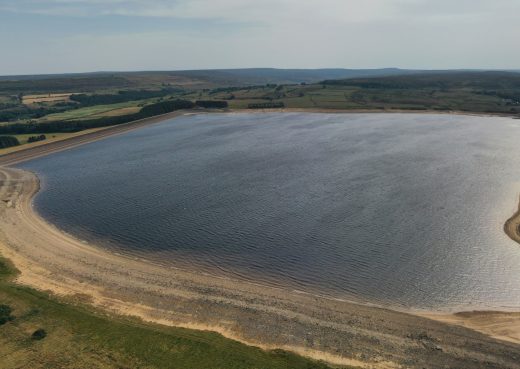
[79, 337]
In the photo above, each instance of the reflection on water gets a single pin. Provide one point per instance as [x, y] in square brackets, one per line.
[392, 208]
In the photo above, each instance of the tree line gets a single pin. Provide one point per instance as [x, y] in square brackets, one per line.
[218, 104]
[22, 112]
[8, 141]
[36, 138]
[121, 96]
[13, 112]
[151, 110]
[266, 105]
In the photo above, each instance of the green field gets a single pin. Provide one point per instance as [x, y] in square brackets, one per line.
[88, 112]
[80, 337]
[492, 92]
[23, 138]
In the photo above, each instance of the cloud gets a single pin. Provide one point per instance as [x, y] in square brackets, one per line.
[252, 10]
[76, 35]
[274, 12]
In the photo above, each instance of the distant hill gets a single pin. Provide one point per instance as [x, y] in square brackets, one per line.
[200, 79]
[492, 80]
[251, 74]
[185, 78]
[286, 76]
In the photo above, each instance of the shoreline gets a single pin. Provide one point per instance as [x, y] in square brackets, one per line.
[374, 111]
[339, 332]
[512, 226]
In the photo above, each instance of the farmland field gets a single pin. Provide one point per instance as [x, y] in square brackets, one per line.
[33, 99]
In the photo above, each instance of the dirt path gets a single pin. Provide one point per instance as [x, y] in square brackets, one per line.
[337, 331]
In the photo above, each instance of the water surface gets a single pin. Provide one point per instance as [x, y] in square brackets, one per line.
[400, 209]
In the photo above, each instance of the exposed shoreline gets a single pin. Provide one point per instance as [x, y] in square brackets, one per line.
[336, 331]
[375, 111]
[512, 226]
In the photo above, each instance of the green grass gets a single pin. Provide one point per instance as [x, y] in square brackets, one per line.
[23, 138]
[89, 111]
[477, 93]
[81, 337]
[98, 111]
[8, 99]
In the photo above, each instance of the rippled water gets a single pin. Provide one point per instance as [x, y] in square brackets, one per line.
[401, 209]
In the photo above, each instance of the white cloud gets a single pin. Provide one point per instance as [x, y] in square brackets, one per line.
[278, 33]
[346, 10]
[274, 12]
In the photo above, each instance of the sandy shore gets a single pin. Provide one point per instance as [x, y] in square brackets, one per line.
[337, 331]
[512, 226]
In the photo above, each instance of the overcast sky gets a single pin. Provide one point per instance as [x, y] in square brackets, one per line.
[56, 36]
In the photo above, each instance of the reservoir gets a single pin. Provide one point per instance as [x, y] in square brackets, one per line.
[405, 210]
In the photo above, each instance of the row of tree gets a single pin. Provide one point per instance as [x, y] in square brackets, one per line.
[36, 138]
[217, 104]
[266, 105]
[151, 110]
[23, 112]
[13, 112]
[8, 141]
[121, 96]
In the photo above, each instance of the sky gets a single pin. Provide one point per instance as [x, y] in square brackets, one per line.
[64, 36]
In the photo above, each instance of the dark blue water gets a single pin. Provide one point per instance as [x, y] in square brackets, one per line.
[389, 208]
